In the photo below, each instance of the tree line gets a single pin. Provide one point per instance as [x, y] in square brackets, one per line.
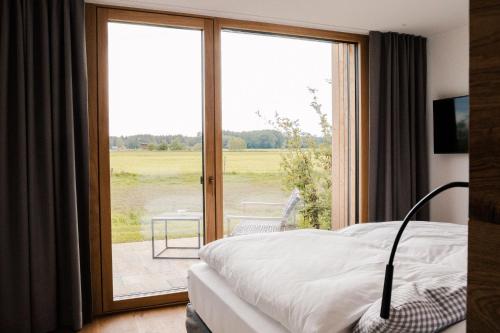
[257, 139]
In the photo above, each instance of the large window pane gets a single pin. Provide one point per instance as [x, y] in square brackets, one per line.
[276, 120]
[155, 127]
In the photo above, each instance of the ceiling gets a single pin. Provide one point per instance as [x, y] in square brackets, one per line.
[423, 17]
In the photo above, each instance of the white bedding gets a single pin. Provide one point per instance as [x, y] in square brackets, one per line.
[322, 281]
[224, 312]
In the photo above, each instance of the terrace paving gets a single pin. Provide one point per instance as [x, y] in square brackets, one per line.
[137, 274]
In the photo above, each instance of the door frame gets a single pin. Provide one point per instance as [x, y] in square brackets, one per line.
[100, 233]
[99, 142]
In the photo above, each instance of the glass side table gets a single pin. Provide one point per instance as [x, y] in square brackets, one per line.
[189, 217]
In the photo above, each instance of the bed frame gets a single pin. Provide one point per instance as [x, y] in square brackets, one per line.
[194, 324]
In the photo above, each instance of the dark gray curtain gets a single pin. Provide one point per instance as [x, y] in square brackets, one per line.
[398, 167]
[44, 237]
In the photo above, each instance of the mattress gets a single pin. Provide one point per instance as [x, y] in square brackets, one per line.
[224, 312]
[220, 309]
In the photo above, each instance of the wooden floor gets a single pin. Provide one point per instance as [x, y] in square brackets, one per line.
[161, 320]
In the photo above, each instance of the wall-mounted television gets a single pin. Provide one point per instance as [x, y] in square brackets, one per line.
[451, 125]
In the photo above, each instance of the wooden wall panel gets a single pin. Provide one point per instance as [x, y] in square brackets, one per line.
[483, 292]
[344, 135]
[364, 141]
[485, 104]
[338, 199]
[483, 300]
[353, 147]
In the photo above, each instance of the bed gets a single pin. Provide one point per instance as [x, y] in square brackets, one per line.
[312, 280]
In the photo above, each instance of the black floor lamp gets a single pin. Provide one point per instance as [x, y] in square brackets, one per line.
[385, 309]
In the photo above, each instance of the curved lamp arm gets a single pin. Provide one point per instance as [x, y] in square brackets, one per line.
[385, 309]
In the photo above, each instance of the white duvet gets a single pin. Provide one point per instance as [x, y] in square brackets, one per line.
[323, 281]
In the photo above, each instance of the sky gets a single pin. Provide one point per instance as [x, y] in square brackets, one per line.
[155, 80]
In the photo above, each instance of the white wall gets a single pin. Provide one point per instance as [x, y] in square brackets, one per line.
[422, 17]
[448, 76]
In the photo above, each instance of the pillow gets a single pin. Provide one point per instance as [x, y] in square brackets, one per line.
[425, 306]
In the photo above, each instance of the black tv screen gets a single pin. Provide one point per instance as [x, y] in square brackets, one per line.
[451, 125]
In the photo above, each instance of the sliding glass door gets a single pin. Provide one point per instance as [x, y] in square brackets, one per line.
[205, 128]
[153, 137]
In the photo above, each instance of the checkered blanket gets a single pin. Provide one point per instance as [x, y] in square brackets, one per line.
[427, 306]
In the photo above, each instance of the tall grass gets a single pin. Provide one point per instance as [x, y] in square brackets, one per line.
[126, 226]
[151, 183]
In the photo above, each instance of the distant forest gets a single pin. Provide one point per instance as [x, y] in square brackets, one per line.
[259, 139]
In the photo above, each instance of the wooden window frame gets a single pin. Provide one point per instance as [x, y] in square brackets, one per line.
[361, 153]
[212, 26]
[97, 52]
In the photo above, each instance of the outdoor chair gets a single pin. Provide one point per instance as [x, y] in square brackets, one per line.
[261, 224]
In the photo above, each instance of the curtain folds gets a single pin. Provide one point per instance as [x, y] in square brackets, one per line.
[398, 161]
[44, 223]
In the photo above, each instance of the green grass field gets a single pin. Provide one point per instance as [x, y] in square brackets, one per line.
[145, 184]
